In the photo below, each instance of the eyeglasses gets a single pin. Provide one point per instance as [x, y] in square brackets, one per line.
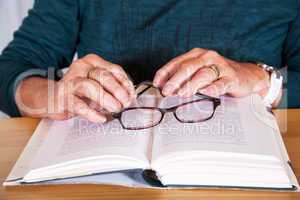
[191, 111]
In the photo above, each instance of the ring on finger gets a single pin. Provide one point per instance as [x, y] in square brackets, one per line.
[90, 73]
[216, 71]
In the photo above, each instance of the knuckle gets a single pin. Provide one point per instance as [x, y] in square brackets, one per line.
[174, 60]
[161, 72]
[78, 64]
[116, 69]
[212, 54]
[91, 56]
[196, 49]
[116, 66]
[93, 59]
[186, 65]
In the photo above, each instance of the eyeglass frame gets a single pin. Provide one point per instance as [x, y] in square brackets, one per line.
[216, 102]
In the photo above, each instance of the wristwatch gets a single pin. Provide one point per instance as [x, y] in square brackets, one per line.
[276, 80]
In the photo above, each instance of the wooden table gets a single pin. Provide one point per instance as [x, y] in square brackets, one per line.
[14, 134]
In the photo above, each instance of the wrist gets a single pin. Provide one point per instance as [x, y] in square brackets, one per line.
[273, 94]
[32, 97]
[262, 81]
[252, 78]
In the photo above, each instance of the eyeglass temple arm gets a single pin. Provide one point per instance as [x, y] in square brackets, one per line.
[206, 96]
[149, 84]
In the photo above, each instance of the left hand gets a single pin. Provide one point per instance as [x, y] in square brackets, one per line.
[189, 73]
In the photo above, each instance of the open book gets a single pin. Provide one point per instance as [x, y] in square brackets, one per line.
[240, 147]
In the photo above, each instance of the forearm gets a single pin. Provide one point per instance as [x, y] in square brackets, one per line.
[59, 30]
[9, 71]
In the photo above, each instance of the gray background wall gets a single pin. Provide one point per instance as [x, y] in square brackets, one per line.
[12, 13]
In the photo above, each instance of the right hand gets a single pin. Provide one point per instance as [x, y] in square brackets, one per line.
[90, 86]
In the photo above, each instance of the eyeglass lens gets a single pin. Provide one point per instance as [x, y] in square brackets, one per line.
[140, 118]
[195, 112]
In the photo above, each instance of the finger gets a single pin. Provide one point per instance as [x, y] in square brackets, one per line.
[167, 71]
[116, 70]
[189, 68]
[80, 68]
[110, 84]
[92, 90]
[202, 78]
[79, 107]
[62, 116]
[218, 88]
[186, 71]
[123, 78]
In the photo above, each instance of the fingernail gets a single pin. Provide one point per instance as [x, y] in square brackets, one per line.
[168, 89]
[115, 108]
[156, 83]
[127, 104]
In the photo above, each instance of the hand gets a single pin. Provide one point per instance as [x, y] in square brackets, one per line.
[191, 72]
[90, 86]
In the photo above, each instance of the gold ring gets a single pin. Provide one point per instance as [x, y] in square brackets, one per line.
[90, 72]
[216, 70]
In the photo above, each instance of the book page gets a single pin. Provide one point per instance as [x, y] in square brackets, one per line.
[78, 138]
[238, 126]
[22, 166]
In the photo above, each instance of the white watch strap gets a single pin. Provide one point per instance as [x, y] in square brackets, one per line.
[274, 90]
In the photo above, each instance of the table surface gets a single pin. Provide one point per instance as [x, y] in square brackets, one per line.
[14, 134]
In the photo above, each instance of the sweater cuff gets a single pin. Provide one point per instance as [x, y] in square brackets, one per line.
[9, 70]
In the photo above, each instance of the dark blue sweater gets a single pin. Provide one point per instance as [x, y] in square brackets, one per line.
[142, 35]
